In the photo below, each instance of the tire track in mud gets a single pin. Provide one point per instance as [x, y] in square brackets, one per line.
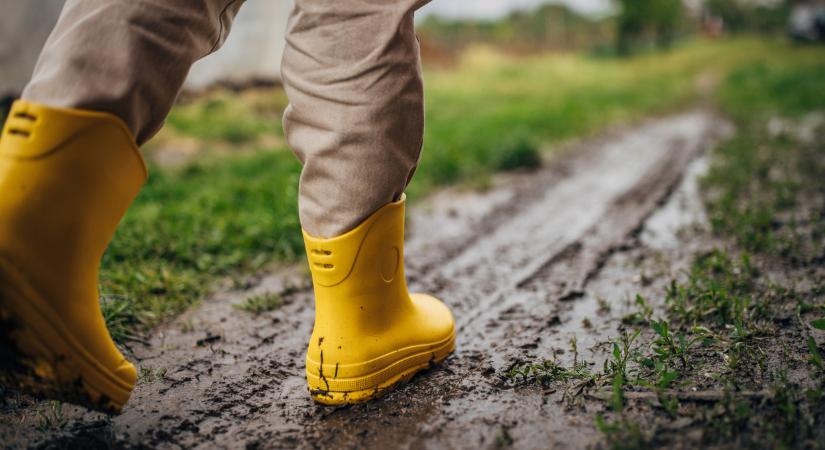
[511, 262]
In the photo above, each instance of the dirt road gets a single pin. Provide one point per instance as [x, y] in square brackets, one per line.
[527, 265]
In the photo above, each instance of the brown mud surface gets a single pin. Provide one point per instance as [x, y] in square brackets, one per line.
[525, 265]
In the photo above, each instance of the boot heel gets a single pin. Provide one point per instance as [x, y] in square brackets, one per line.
[50, 371]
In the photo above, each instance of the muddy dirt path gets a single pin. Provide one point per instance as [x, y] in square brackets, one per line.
[522, 265]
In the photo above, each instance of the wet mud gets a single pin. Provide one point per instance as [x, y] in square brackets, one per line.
[529, 264]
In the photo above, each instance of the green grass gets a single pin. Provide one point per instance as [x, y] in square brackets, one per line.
[230, 214]
[51, 416]
[766, 188]
[546, 372]
[717, 291]
[192, 226]
[719, 330]
[765, 193]
[258, 304]
[235, 118]
[493, 112]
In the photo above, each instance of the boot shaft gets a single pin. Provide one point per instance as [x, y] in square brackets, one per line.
[66, 178]
[359, 276]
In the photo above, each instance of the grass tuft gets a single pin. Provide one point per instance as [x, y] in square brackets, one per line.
[262, 303]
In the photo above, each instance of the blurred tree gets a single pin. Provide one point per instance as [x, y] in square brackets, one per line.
[747, 16]
[646, 21]
[732, 13]
[667, 16]
[630, 24]
[550, 26]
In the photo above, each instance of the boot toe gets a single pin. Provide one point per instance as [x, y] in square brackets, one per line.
[436, 320]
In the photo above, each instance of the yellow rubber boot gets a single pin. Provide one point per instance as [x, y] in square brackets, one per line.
[66, 179]
[370, 333]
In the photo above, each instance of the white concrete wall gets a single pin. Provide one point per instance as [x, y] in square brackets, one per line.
[252, 51]
[24, 27]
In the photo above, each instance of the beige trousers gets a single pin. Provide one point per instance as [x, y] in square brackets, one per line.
[351, 70]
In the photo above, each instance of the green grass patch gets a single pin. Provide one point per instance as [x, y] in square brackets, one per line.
[765, 192]
[766, 186]
[494, 112]
[230, 117]
[192, 226]
[717, 337]
[262, 303]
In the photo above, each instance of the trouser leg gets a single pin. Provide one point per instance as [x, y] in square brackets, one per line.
[352, 72]
[127, 57]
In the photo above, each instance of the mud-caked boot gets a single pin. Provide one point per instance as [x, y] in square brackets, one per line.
[66, 179]
[370, 333]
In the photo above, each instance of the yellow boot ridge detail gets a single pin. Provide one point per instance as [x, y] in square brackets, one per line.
[370, 333]
[66, 178]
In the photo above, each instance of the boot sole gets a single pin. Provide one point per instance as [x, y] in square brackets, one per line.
[380, 381]
[40, 356]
